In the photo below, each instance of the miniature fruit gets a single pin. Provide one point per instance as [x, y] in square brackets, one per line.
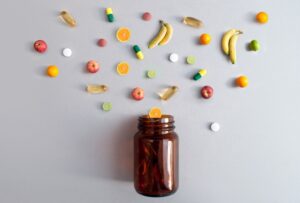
[205, 39]
[40, 46]
[155, 112]
[226, 38]
[52, 71]
[92, 66]
[232, 48]
[168, 35]
[102, 42]
[163, 36]
[147, 16]
[242, 81]
[137, 93]
[123, 34]
[207, 92]
[123, 68]
[262, 17]
[254, 45]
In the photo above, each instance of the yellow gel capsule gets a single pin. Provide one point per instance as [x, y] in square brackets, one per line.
[193, 22]
[68, 18]
[96, 89]
[168, 92]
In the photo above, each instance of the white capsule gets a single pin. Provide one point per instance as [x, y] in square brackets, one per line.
[173, 57]
[67, 52]
[215, 126]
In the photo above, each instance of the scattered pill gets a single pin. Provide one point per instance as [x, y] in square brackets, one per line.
[147, 16]
[215, 127]
[40, 46]
[96, 89]
[191, 60]
[241, 81]
[155, 112]
[123, 68]
[139, 54]
[106, 106]
[68, 18]
[52, 71]
[109, 14]
[123, 34]
[193, 22]
[67, 52]
[167, 93]
[102, 42]
[92, 66]
[200, 74]
[173, 57]
[137, 93]
[151, 74]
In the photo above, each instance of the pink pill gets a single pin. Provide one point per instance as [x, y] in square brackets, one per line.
[147, 16]
[102, 42]
[92, 66]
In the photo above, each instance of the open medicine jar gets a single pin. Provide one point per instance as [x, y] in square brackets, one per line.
[156, 156]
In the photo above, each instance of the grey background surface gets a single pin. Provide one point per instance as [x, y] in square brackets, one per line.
[57, 146]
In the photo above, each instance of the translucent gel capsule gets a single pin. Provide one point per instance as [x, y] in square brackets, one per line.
[193, 22]
[96, 89]
[68, 18]
[168, 92]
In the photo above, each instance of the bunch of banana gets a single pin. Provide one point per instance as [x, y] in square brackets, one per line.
[229, 43]
[163, 36]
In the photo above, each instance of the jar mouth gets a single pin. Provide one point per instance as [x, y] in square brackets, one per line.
[164, 119]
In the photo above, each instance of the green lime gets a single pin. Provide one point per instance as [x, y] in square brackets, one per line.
[254, 45]
[106, 106]
[151, 74]
[191, 60]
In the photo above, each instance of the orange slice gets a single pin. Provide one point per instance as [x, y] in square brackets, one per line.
[155, 112]
[123, 34]
[123, 68]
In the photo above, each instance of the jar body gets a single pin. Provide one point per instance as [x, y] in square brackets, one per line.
[156, 161]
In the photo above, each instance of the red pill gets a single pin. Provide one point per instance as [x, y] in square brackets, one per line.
[102, 42]
[147, 16]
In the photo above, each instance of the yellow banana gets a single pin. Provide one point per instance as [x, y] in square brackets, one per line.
[160, 35]
[232, 48]
[168, 35]
[226, 38]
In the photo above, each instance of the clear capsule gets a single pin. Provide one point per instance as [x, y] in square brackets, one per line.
[96, 89]
[167, 93]
[68, 18]
[193, 22]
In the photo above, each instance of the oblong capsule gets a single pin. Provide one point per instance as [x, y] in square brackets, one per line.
[193, 22]
[138, 52]
[167, 93]
[96, 89]
[68, 18]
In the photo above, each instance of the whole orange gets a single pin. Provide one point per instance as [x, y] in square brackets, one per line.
[205, 39]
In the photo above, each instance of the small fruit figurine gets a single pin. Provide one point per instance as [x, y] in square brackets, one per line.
[241, 81]
[254, 45]
[40, 46]
[204, 39]
[137, 93]
[262, 17]
[229, 41]
[52, 71]
[164, 35]
[207, 92]
[92, 66]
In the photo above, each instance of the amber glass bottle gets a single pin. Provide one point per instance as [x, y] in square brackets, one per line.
[156, 156]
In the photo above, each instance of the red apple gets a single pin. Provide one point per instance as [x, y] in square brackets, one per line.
[207, 92]
[40, 46]
[92, 66]
[137, 93]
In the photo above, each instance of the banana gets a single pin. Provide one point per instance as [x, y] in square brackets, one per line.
[226, 39]
[168, 35]
[232, 47]
[160, 35]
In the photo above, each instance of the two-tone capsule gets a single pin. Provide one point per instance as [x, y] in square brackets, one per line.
[200, 74]
[139, 54]
[109, 14]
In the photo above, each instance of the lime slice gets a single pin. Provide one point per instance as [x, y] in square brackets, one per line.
[191, 60]
[151, 74]
[106, 106]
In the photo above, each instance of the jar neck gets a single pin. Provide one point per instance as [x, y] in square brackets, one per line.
[162, 125]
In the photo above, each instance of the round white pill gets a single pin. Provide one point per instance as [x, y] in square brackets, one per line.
[67, 52]
[173, 57]
[215, 127]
